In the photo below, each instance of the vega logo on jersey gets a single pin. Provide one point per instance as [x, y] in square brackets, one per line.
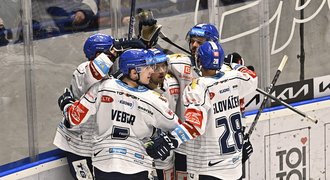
[106, 99]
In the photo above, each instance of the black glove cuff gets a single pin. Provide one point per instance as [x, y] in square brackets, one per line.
[67, 100]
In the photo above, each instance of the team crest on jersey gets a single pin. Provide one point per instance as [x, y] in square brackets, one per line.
[77, 112]
[194, 116]
[106, 99]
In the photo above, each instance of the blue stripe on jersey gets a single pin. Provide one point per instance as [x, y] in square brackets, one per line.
[137, 89]
[181, 134]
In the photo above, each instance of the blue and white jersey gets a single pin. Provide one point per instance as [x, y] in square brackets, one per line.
[125, 119]
[87, 73]
[213, 129]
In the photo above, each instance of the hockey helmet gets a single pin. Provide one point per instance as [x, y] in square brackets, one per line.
[158, 56]
[207, 31]
[97, 43]
[210, 55]
[134, 59]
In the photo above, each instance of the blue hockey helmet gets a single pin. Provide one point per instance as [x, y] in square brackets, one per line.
[97, 43]
[207, 31]
[210, 55]
[158, 56]
[134, 59]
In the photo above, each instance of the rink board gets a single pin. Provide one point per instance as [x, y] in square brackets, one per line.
[285, 146]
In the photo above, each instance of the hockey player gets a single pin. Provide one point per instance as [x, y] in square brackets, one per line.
[212, 127]
[101, 51]
[77, 144]
[125, 114]
[168, 86]
[183, 67]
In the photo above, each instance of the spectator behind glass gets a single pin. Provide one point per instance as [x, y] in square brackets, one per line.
[73, 15]
[5, 34]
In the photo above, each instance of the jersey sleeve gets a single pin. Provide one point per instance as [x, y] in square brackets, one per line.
[163, 117]
[89, 73]
[196, 100]
[172, 92]
[84, 108]
[248, 80]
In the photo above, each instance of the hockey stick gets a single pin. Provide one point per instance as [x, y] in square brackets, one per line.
[131, 20]
[270, 89]
[165, 38]
[287, 105]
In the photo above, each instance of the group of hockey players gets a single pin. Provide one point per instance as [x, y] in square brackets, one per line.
[176, 115]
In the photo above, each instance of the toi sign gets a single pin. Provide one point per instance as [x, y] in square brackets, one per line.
[287, 155]
[292, 163]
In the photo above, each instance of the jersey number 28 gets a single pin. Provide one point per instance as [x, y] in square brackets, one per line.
[232, 129]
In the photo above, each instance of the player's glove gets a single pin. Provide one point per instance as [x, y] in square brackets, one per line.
[234, 58]
[250, 67]
[149, 31]
[247, 149]
[122, 44]
[159, 147]
[65, 99]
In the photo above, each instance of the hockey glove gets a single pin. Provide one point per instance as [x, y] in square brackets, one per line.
[247, 149]
[250, 67]
[234, 58]
[160, 146]
[149, 31]
[122, 44]
[65, 99]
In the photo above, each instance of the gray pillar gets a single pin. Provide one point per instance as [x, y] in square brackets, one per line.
[30, 79]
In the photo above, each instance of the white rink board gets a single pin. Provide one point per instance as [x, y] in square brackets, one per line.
[288, 147]
[285, 147]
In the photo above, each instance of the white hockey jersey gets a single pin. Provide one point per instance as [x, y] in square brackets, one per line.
[171, 91]
[125, 118]
[86, 74]
[181, 67]
[213, 128]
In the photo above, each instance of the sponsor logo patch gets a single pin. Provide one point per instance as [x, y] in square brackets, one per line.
[117, 151]
[187, 69]
[175, 91]
[139, 156]
[106, 99]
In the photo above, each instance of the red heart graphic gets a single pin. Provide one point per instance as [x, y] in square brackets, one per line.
[303, 140]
